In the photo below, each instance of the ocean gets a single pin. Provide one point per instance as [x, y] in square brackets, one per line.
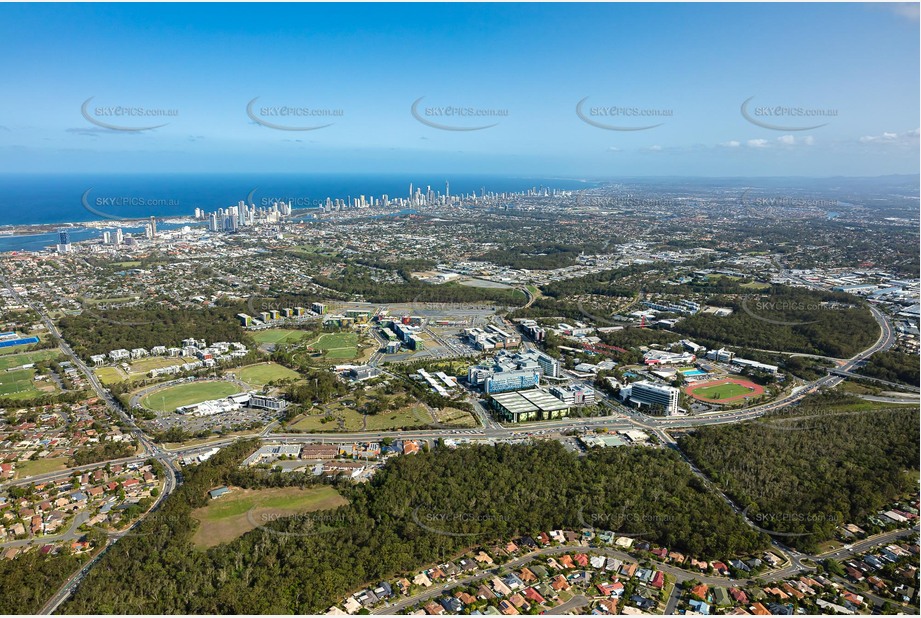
[31, 199]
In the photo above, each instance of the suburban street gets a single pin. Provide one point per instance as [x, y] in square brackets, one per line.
[676, 573]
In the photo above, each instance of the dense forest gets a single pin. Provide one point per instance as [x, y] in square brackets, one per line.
[778, 318]
[139, 327]
[788, 320]
[620, 282]
[31, 579]
[831, 460]
[415, 511]
[634, 337]
[318, 387]
[551, 308]
[539, 256]
[357, 282]
[893, 367]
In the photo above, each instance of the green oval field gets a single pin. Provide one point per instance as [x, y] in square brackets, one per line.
[168, 399]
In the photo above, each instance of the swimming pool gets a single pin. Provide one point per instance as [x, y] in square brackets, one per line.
[694, 372]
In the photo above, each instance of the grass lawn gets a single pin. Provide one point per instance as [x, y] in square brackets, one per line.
[15, 360]
[242, 510]
[109, 375]
[168, 399]
[855, 388]
[456, 418]
[348, 420]
[410, 416]
[278, 335]
[337, 346]
[40, 466]
[263, 373]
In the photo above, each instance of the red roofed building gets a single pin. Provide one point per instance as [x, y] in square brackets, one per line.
[559, 583]
[700, 591]
[535, 596]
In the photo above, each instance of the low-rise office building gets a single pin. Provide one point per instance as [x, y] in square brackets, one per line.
[574, 395]
[528, 405]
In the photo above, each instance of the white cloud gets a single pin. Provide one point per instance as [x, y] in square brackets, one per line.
[613, 149]
[731, 144]
[787, 140]
[655, 148]
[809, 140]
[889, 137]
[757, 143]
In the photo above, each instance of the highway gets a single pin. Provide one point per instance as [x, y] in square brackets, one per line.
[851, 374]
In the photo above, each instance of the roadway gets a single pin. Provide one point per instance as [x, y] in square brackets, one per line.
[171, 471]
[858, 376]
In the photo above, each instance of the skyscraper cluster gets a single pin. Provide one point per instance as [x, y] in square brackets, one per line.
[233, 218]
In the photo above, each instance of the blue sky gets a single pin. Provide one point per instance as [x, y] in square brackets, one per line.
[687, 68]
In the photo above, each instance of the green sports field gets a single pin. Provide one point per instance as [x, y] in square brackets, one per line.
[263, 373]
[168, 399]
[19, 385]
[337, 346]
[725, 390]
[722, 391]
[16, 360]
[278, 335]
[16, 381]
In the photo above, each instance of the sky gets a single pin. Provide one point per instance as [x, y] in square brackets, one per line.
[579, 91]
